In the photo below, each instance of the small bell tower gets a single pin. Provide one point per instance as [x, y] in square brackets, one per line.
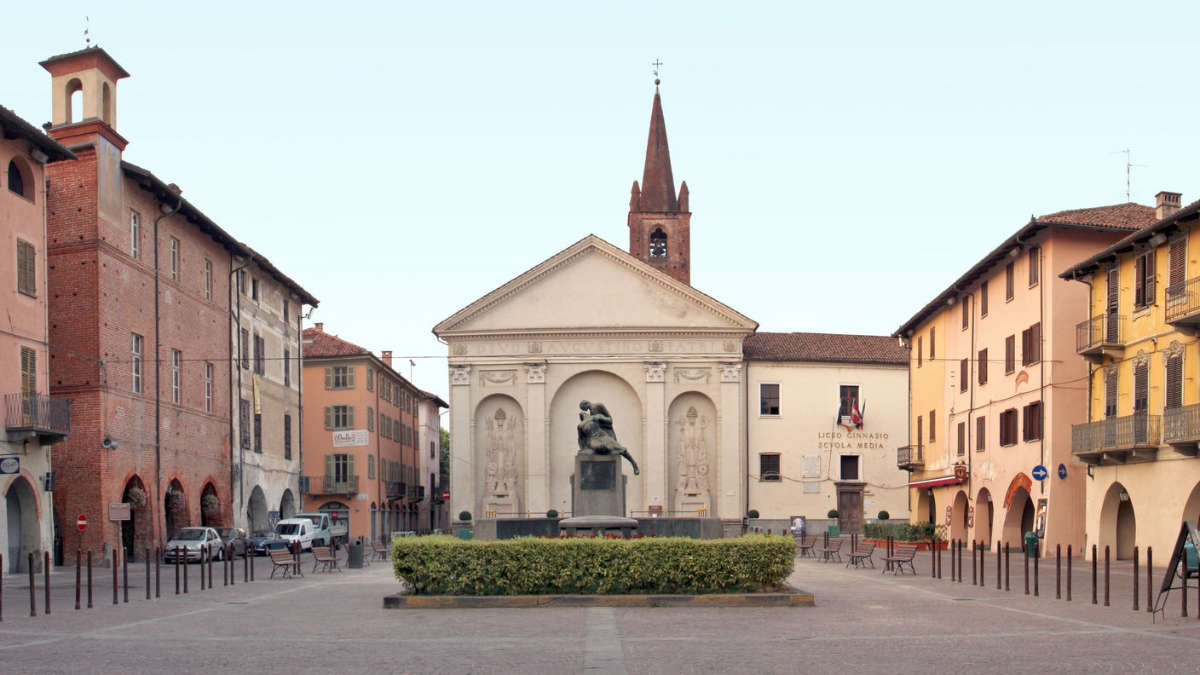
[660, 222]
[92, 74]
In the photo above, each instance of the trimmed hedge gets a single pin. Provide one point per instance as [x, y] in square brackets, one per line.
[901, 531]
[444, 565]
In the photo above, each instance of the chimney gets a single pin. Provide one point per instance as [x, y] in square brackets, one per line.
[387, 357]
[320, 327]
[1166, 204]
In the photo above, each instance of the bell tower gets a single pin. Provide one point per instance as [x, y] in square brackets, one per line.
[92, 75]
[659, 222]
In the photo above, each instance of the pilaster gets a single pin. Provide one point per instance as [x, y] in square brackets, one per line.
[654, 473]
[462, 468]
[537, 451]
[729, 498]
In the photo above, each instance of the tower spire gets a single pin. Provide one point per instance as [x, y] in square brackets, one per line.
[658, 185]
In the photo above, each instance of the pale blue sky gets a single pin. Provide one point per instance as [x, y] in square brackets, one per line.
[846, 161]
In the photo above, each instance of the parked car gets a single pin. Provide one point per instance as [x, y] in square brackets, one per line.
[263, 540]
[188, 543]
[236, 536]
[296, 530]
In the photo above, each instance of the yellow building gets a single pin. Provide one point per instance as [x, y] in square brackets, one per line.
[996, 385]
[1139, 341]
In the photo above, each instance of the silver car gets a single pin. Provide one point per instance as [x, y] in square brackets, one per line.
[188, 543]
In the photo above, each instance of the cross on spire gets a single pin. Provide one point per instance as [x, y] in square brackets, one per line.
[657, 64]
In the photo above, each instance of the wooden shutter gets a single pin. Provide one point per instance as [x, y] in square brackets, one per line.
[920, 434]
[28, 371]
[329, 472]
[965, 308]
[1036, 341]
[1151, 269]
[962, 375]
[26, 268]
[1010, 353]
[370, 380]
[1034, 261]
[1009, 282]
[350, 377]
[1178, 265]
[932, 426]
[1110, 393]
[328, 377]
[920, 350]
[328, 415]
[983, 298]
[962, 437]
[1026, 422]
[1141, 387]
[932, 340]
[1174, 381]
[983, 374]
[370, 418]
[980, 433]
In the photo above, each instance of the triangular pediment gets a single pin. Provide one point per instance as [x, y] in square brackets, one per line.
[593, 285]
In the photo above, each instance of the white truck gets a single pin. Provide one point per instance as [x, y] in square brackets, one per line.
[296, 530]
[326, 529]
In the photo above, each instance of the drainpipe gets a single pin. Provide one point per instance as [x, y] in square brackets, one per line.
[236, 289]
[300, 408]
[1042, 281]
[164, 211]
[746, 434]
[1091, 366]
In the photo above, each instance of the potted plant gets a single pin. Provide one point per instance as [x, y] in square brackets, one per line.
[552, 513]
[210, 504]
[752, 514]
[463, 528]
[175, 502]
[883, 515]
[135, 497]
[835, 530]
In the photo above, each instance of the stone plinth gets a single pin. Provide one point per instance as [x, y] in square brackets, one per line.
[598, 487]
[599, 525]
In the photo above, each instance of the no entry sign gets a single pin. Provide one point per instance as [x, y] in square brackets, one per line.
[445, 495]
[81, 522]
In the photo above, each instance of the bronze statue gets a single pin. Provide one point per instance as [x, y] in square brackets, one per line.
[596, 435]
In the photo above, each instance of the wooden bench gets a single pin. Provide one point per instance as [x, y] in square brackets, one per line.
[832, 549]
[380, 550]
[804, 546]
[862, 555]
[282, 559]
[324, 557]
[902, 554]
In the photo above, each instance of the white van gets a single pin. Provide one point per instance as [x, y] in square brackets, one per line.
[296, 530]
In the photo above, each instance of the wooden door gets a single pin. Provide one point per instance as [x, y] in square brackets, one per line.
[850, 509]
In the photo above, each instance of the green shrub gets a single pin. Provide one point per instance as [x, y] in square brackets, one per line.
[883, 515]
[552, 513]
[752, 513]
[443, 565]
[901, 531]
[833, 513]
[465, 516]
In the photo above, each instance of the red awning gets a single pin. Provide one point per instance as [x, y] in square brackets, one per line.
[935, 482]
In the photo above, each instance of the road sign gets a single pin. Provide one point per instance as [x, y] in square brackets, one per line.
[10, 465]
[1040, 472]
[81, 522]
[1062, 471]
[445, 495]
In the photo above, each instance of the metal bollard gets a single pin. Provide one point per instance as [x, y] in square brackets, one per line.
[1, 587]
[1136, 577]
[1058, 571]
[974, 550]
[1025, 557]
[46, 577]
[202, 550]
[296, 557]
[186, 573]
[33, 589]
[982, 562]
[225, 567]
[1183, 595]
[147, 572]
[210, 570]
[1106, 580]
[177, 571]
[1069, 559]
[938, 544]
[1149, 579]
[998, 564]
[157, 573]
[78, 575]
[1094, 559]
[1007, 567]
[962, 546]
[89, 563]
[247, 568]
[125, 573]
[1037, 559]
[116, 585]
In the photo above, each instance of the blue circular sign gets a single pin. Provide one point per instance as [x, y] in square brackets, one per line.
[1040, 472]
[1062, 471]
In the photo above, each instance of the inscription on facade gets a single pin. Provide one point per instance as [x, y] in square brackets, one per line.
[851, 440]
[590, 347]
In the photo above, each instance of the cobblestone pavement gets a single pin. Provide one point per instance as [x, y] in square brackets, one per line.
[864, 621]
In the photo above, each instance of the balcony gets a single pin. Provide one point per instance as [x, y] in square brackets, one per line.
[1183, 304]
[1117, 440]
[1100, 336]
[910, 457]
[29, 416]
[334, 485]
[1181, 428]
[416, 493]
[396, 489]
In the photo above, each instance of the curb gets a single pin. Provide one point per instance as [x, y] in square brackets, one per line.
[794, 598]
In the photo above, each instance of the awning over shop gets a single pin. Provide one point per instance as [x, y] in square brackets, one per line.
[934, 482]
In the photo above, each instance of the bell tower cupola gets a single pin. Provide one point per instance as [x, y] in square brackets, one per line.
[659, 221]
[84, 95]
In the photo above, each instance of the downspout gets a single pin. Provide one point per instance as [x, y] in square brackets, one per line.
[234, 361]
[971, 357]
[163, 213]
[746, 435]
[236, 289]
[1042, 281]
[1091, 366]
[300, 408]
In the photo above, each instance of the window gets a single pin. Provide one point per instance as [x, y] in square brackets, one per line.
[385, 426]
[253, 288]
[370, 379]
[258, 432]
[920, 431]
[339, 377]
[983, 364]
[1035, 259]
[849, 467]
[932, 335]
[983, 296]
[287, 368]
[260, 354]
[244, 348]
[1110, 393]
[1031, 344]
[242, 281]
[340, 467]
[339, 416]
[768, 399]
[848, 400]
[980, 433]
[176, 375]
[920, 351]
[174, 259]
[285, 310]
[768, 466]
[207, 279]
[1141, 376]
[1010, 354]
[1177, 270]
[1174, 381]
[966, 311]
[431, 450]
[16, 183]
[1031, 429]
[208, 387]
[1009, 282]
[1008, 427]
[962, 375]
[28, 373]
[658, 244]
[1143, 279]
[962, 438]
[135, 363]
[287, 436]
[370, 467]
[370, 418]
[932, 426]
[244, 423]
[26, 268]
[135, 234]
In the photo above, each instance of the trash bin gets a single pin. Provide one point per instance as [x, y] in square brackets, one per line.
[464, 533]
[355, 555]
[1031, 544]
[834, 530]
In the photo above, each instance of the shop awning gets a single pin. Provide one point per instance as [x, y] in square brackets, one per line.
[934, 482]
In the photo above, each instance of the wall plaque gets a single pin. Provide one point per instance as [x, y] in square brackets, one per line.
[597, 475]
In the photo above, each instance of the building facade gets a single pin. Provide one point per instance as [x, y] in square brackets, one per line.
[1141, 298]
[815, 445]
[33, 421]
[361, 438]
[433, 514]
[995, 386]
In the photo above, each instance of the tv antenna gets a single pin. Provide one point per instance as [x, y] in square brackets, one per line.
[1129, 167]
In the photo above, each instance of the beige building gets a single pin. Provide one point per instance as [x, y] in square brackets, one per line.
[433, 513]
[815, 443]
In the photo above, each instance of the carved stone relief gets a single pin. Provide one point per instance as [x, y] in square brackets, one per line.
[731, 372]
[535, 373]
[497, 377]
[656, 372]
[460, 375]
[691, 488]
[693, 375]
[500, 474]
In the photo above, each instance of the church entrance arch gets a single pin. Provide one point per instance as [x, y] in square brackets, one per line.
[21, 509]
[691, 455]
[597, 386]
[499, 454]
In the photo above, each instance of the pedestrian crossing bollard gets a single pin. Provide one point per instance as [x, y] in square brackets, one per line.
[974, 550]
[78, 575]
[1025, 557]
[1106, 583]
[998, 564]
[1094, 560]
[186, 573]
[147, 572]
[1136, 577]
[115, 565]
[176, 571]
[1007, 567]
[33, 589]
[202, 568]
[89, 564]
[1069, 572]
[46, 577]
[1058, 571]
[125, 573]
[157, 573]
[1149, 579]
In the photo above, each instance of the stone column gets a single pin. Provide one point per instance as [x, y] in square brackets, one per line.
[462, 465]
[537, 452]
[728, 499]
[654, 465]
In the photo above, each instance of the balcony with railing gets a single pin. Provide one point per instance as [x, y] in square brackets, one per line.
[416, 493]
[1102, 335]
[910, 457]
[1118, 440]
[1183, 303]
[1181, 428]
[334, 485]
[36, 416]
[396, 489]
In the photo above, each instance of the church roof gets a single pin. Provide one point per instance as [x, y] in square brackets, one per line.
[824, 347]
[658, 185]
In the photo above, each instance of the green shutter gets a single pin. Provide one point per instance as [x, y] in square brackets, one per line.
[328, 415]
[370, 418]
[349, 417]
[328, 377]
[329, 466]
[350, 467]
[350, 377]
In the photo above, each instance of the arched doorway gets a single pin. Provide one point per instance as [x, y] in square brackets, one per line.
[1118, 523]
[175, 508]
[1191, 508]
[22, 513]
[287, 505]
[256, 511]
[135, 532]
[210, 506]
[984, 513]
[1019, 518]
[958, 517]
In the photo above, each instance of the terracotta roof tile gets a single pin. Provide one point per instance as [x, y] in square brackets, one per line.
[319, 344]
[826, 347]
[1128, 216]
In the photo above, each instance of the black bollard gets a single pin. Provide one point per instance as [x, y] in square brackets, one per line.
[1183, 595]
[1007, 567]
[89, 563]
[78, 575]
[1025, 557]
[115, 565]
[974, 551]
[1058, 571]
[1069, 560]
[1149, 579]
[1136, 578]
[186, 573]
[147, 572]
[157, 573]
[932, 559]
[998, 564]
[33, 589]
[225, 567]
[1106, 581]
[210, 570]
[939, 558]
[1037, 559]
[249, 565]
[962, 547]
[1, 588]
[982, 562]
[202, 550]
[46, 577]
[125, 573]
[1094, 560]
[177, 571]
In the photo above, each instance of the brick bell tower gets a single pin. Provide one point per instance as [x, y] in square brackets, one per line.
[659, 222]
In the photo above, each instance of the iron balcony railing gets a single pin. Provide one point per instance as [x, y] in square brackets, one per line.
[416, 493]
[1115, 434]
[35, 414]
[396, 489]
[1183, 302]
[339, 485]
[910, 457]
[1182, 425]
[1100, 331]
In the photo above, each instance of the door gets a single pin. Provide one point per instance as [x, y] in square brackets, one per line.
[849, 508]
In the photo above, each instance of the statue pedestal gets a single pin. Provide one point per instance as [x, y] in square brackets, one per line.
[598, 486]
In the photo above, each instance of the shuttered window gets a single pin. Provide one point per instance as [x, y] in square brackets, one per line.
[1174, 381]
[962, 375]
[966, 318]
[28, 372]
[932, 426]
[1031, 429]
[1031, 344]
[920, 351]
[370, 418]
[1008, 427]
[244, 423]
[983, 298]
[339, 417]
[768, 466]
[1178, 256]
[370, 379]
[1110, 393]
[980, 433]
[26, 268]
[287, 436]
[339, 377]
[1009, 282]
[920, 431]
[932, 340]
[1141, 387]
[1143, 279]
[982, 366]
[244, 348]
[962, 437]
[370, 467]
[1010, 354]
[1035, 255]
[258, 432]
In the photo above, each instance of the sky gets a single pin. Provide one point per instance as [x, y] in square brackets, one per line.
[846, 161]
